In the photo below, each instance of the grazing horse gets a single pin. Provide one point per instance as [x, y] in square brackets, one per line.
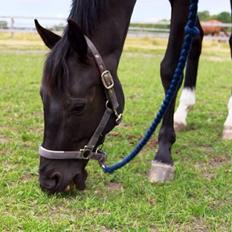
[76, 99]
[213, 27]
[73, 95]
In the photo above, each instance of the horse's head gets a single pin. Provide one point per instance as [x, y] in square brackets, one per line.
[74, 102]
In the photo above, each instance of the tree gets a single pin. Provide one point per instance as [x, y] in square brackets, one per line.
[3, 25]
[59, 27]
[224, 17]
[204, 15]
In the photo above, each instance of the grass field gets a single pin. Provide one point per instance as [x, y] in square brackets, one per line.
[200, 197]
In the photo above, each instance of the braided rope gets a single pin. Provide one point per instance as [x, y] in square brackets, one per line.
[190, 31]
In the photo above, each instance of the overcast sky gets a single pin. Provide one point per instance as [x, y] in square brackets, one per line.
[146, 10]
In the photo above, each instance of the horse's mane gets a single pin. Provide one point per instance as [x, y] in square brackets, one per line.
[56, 67]
[86, 13]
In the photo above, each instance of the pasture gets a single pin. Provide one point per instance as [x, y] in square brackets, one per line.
[200, 197]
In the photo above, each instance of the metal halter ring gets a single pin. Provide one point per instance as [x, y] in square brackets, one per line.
[119, 118]
[86, 152]
[117, 115]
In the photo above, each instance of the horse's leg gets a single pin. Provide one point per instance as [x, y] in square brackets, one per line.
[230, 42]
[187, 98]
[227, 133]
[162, 167]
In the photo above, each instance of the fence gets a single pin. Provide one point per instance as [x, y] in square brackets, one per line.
[15, 24]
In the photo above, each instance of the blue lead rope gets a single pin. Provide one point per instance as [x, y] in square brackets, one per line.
[190, 31]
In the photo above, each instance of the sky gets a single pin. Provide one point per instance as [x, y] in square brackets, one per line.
[145, 10]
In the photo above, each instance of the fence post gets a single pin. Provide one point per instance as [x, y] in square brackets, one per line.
[12, 26]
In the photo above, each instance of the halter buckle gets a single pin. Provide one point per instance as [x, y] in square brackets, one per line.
[107, 79]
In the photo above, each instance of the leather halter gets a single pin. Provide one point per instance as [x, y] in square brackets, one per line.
[90, 151]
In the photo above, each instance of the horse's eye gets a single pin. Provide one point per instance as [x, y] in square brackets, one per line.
[77, 109]
[76, 105]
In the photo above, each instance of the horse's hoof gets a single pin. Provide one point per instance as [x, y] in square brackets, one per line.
[161, 172]
[178, 126]
[227, 133]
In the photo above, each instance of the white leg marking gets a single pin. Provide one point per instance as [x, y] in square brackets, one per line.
[227, 133]
[187, 101]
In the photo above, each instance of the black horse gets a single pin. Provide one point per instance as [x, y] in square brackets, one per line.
[74, 96]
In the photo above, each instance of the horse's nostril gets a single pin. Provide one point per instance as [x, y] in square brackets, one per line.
[80, 179]
[51, 184]
[57, 178]
[79, 182]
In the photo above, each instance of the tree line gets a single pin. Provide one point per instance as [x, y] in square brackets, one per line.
[224, 16]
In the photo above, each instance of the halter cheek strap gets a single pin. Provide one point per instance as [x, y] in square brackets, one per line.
[90, 151]
[106, 79]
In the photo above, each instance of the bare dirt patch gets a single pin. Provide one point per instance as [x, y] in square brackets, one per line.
[104, 229]
[208, 168]
[153, 143]
[217, 58]
[3, 139]
[112, 186]
[218, 161]
[197, 225]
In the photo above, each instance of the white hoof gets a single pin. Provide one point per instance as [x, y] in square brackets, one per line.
[178, 126]
[227, 133]
[161, 172]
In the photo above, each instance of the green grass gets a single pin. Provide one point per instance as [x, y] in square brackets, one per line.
[200, 197]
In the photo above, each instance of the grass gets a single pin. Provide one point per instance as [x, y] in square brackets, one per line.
[200, 197]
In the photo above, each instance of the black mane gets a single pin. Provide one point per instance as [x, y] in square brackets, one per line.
[87, 13]
[55, 68]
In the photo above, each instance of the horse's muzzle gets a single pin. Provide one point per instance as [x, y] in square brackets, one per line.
[58, 183]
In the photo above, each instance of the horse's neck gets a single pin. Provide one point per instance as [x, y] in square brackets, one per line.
[110, 33]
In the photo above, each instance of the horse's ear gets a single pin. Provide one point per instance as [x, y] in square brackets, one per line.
[77, 39]
[49, 38]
